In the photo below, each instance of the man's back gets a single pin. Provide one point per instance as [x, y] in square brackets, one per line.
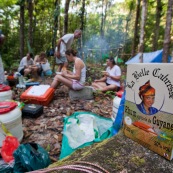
[66, 43]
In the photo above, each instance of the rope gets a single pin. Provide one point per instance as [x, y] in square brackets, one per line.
[86, 169]
[61, 168]
[93, 165]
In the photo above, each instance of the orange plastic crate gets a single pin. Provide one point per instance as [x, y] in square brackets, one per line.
[44, 99]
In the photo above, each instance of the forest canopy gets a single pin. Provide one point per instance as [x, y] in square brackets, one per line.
[109, 27]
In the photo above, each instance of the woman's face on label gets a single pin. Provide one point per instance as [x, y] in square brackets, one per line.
[148, 100]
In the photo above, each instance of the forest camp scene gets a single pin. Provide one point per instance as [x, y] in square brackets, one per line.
[86, 86]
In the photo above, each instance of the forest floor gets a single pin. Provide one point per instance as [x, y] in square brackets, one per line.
[117, 155]
[46, 129]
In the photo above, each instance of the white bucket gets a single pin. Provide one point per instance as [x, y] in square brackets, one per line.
[13, 122]
[116, 104]
[6, 95]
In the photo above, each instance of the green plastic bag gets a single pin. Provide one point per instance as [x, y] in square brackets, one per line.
[75, 135]
[30, 157]
[6, 167]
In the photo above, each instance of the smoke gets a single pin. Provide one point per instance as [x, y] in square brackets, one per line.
[97, 49]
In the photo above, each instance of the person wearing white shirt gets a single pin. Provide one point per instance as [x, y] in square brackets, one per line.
[63, 44]
[111, 79]
[27, 66]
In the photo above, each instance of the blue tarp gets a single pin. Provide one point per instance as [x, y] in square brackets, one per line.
[118, 123]
[154, 57]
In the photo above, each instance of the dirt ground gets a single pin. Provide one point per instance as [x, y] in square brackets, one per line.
[46, 130]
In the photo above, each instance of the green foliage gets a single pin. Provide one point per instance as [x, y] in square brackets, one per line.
[89, 80]
[110, 93]
[44, 14]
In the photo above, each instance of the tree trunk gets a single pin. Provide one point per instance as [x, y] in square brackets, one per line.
[157, 25]
[56, 24]
[136, 28]
[105, 15]
[167, 35]
[82, 15]
[102, 20]
[142, 30]
[127, 27]
[30, 30]
[22, 25]
[67, 4]
[82, 25]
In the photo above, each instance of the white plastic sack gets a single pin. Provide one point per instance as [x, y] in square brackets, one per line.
[81, 130]
[45, 66]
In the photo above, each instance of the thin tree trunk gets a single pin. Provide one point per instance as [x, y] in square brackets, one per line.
[60, 26]
[82, 25]
[102, 21]
[67, 4]
[126, 28]
[35, 21]
[56, 24]
[30, 30]
[157, 25]
[82, 15]
[105, 15]
[167, 35]
[142, 30]
[22, 25]
[136, 28]
[103, 18]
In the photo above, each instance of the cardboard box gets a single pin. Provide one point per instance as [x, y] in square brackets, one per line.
[148, 114]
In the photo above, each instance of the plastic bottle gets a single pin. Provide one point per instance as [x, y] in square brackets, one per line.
[21, 81]
[116, 104]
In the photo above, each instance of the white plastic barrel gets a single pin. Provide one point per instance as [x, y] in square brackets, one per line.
[6, 95]
[116, 104]
[13, 122]
[5, 92]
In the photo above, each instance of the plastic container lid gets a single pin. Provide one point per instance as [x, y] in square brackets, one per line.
[6, 107]
[119, 93]
[4, 88]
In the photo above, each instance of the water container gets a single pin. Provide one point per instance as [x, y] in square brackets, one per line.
[21, 82]
[10, 116]
[116, 104]
[5, 92]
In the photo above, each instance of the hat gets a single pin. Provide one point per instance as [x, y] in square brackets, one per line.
[146, 90]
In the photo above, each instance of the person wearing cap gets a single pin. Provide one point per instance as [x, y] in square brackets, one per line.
[147, 95]
[63, 44]
[27, 66]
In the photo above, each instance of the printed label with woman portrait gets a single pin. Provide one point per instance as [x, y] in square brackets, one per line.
[149, 106]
